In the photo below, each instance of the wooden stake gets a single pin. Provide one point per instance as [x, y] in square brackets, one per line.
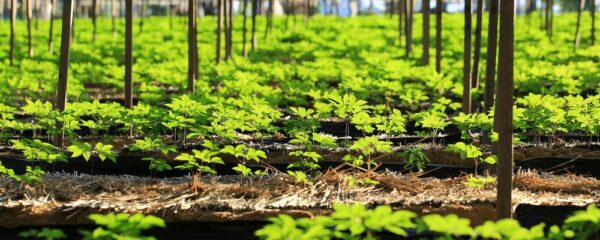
[593, 13]
[466, 103]
[191, 48]
[425, 59]
[94, 17]
[477, 52]
[254, 12]
[438, 36]
[128, 54]
[29, 33]
[408, 27]
[504, 110]
[244, 29]
[50, 43]
[13, 19]
[219, 25]
[579, 10]
[63, 69]
[490, 67]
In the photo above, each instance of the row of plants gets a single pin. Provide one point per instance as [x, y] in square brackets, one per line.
[111, 226]
[291, 67]
[357, 222]
[229, 119]
[353, 222]
[164, 135]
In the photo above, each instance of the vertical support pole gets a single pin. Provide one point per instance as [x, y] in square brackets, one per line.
[593, 13]
[50, 43]
[579, 10]
[94, 16]
[170, 12]
[425, 59]
[466, 103]
[230, 29]
[219, 26]
[504, 109]
[245, 29]
[128, 53]
[254, 12]
[13, 19]
[29, 33]
[191, 48]
[409, 25]
[401, 10]
[490, 67]
[113, 6]
[63, 69]
[477, 50]
[438, 36]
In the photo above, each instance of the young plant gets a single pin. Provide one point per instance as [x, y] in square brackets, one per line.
[363, 181]
[434, 121]
[32, 174]
[346, 107]
[469, 151]
[122, 226]
[103, 151]
[44, 233]
[36, 150]
[309, 157]
[201, 160]
[480, 182]
[300, 177]
[415, 158]
[157, 147]
[366, 147]
[245, 154]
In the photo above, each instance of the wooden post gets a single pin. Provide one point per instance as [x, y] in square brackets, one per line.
[142, 15]
[477, 51]
[579, 10]
[438, 36]
[63, 69]
[466, 103]
[504, 110]
[50, 43]
[269, 22]
[128, 54]
[593, 13]
[254, 12]
[170, 12]
[13, 19]
[408, 27]
[113, 6]
[94, 13]
[226, 27]
[219, 25]
[29, 33]
[191, 48]
[490, 67]
[401, 10]
[230, 30]
[425, 59]
[244, 29]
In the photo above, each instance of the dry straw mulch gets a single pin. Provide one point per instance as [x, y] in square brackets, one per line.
[68, 198]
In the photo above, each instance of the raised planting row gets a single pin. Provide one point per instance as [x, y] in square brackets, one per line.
[200, 132]
[227, 204]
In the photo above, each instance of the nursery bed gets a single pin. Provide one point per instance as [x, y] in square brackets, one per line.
[576, 158]
[66, 199]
